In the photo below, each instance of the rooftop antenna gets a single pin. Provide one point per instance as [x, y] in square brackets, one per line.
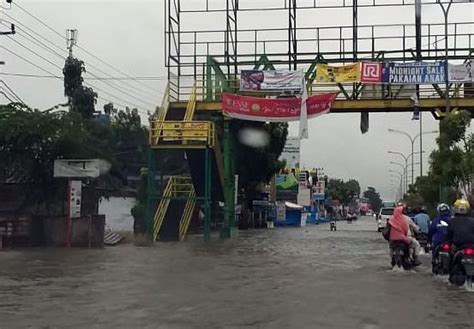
[71, 37]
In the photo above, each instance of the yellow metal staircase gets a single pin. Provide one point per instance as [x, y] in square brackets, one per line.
[177, 187]
[192, 137]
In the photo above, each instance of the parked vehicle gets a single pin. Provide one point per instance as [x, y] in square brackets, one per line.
[383, 217]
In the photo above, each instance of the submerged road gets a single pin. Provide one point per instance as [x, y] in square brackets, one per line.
[284, 278]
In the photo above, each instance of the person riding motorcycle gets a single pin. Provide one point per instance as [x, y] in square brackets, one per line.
[437, 231]
[461, 227]
[422, 220]
[400, 231]
[460, 234]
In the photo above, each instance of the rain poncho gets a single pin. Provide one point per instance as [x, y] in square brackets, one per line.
[399, 226]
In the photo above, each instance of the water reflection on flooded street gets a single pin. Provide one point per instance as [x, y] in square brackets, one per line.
[283, 278]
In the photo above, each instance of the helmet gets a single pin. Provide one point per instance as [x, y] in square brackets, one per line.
[443, 208]
[461, 207]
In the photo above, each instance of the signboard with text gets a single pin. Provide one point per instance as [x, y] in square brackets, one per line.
[414, 73]
[291, 152]
[271, 81]
[275, 109]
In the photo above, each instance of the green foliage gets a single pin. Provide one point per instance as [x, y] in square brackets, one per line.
[453, 162]
[453, 128]
[72, 71]
[451, 165]
[130, 138]
[31, 140]
[81, 99]
[374, 198]
[345, 192]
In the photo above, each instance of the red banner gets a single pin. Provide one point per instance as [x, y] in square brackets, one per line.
[275, 109]
[371, 72]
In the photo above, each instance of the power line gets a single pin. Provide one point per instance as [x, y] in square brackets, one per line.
[28, 75]
[35, 53]
[106, 82]
[31, 63]
[95, 77]
[60, 78]
[111, 95]
[19, 24]
[11, 91]
[38, 42]
[6, 96]
[83, 49]
[60, 56]
[44, 46]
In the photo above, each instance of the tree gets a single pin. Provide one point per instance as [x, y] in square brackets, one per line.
[30, 141]
[453, 163]
[374, 198]
[130, 138]
[81, 99]
[345, 192]
[258, 165]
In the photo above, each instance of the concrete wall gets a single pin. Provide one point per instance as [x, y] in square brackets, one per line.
[86, 231]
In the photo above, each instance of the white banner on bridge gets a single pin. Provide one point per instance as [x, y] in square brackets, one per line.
[461, 72]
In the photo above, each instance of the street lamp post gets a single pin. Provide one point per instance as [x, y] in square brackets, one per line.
[412, 140]
[396, 186]
[400, 180]
[406, 158]
[409, 165]
[404, 169]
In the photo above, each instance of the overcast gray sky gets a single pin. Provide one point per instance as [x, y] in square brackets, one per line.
[129, 36]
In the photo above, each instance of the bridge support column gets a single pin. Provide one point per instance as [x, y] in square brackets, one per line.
[229, 229]
[151, 193]
[207, 195]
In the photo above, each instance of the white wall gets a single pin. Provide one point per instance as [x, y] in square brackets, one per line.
[117, 213]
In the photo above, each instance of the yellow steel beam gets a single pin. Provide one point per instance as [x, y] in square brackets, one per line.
[367, 105]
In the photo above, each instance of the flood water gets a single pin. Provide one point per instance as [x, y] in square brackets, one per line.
[283, 278]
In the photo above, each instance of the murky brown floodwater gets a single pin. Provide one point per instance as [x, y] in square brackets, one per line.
[283, 278]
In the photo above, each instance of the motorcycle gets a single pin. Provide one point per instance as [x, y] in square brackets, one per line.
[424, 241]
[462, 269]
[401, 255]
[440, 261]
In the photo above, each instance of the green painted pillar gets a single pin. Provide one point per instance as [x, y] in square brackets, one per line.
[151, 193]
[229, 229]
[209, 82]
[207, 194]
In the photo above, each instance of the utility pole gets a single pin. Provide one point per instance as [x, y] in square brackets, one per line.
[443, 188]
[418, 59]
[12, 31]
[446, 49]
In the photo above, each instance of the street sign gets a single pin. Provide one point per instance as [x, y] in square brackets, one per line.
[69, 168]
[319, 190]
[75, 198]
